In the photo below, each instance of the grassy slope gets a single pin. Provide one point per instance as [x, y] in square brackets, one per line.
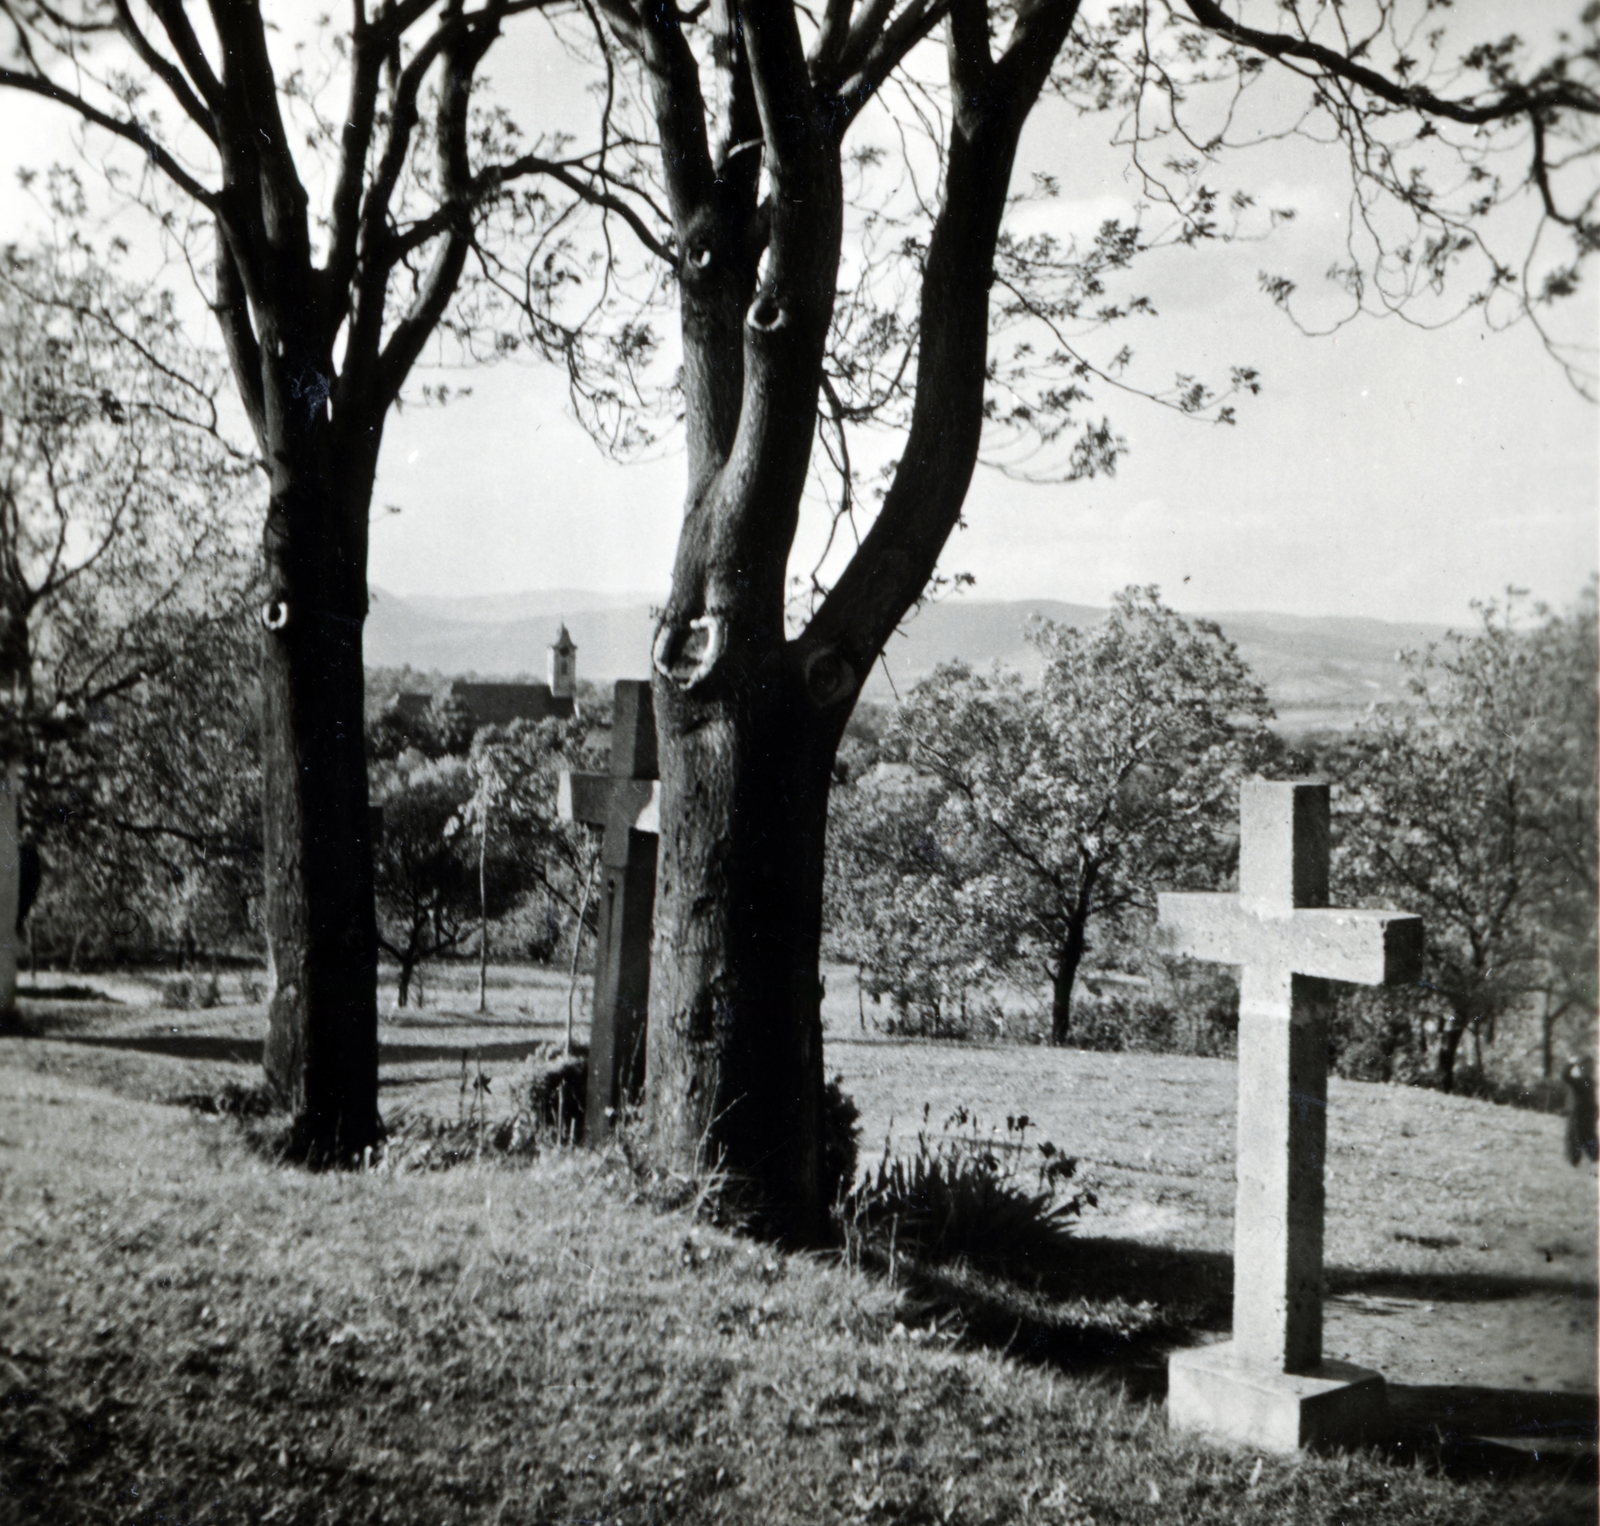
[192, 1335]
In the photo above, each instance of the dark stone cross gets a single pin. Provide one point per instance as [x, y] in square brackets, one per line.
[626, 803]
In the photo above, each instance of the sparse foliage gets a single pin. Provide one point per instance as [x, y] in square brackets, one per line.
[453, 855]
[1475, 807]
[124, 571]
[968, 1194]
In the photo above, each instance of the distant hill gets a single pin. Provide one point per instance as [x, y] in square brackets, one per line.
[1321, 671]
[506, 635]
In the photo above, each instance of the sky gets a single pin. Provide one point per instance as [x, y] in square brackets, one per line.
[1384, 471]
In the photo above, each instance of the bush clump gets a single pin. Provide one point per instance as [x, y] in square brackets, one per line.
[187, 994]
[841, 1139]
[968, 1195]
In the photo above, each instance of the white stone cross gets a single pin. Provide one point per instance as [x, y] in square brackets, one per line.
[1269, 1386]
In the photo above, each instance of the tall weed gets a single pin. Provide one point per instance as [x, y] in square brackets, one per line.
[966, 1194]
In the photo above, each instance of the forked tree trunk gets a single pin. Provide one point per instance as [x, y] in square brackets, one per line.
[748, 721]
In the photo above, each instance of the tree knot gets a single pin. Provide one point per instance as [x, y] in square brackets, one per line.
[687, 654]
[828, 677]
[768, 315]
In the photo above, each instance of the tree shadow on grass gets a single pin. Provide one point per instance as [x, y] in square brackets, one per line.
[177, 1046]
[1478, 1432]
[1119, 1307]
[206, 1046]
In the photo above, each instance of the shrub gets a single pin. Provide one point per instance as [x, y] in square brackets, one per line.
[968, 1196]
[186, 994]
[841, 1137]
[233, 1100]
[1547, 1094]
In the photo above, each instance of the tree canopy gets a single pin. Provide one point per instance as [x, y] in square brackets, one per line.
[1475, 807]
[123, 563]
[1019, 813]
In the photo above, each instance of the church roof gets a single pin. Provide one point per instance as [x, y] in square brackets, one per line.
[564, 642]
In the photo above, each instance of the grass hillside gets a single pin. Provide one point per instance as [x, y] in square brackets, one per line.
[193, 1333]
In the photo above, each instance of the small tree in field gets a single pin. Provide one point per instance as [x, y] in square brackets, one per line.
[455, 856]
[148, 815]
[894, 907]
[1475, 807]
[432, 890]
[1037, 810]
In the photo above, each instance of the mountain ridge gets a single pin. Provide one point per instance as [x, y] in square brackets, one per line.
[1321, 671]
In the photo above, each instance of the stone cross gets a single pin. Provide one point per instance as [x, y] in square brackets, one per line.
[626, 802]
[1270, 1387]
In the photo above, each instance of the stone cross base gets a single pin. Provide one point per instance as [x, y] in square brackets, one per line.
[1333, 1405]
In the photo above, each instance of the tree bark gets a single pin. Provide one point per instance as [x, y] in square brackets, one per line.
[1070, 955]
[734, 1070]
[1449, 1042]
[1066, 971]
[321, 1053]
[10, 887]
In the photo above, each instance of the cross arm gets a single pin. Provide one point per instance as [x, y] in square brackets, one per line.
[604, 801]
[1373, 948]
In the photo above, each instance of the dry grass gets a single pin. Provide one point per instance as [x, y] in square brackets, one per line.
[193, 1334]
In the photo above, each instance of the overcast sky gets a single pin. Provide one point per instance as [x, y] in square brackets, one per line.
[1384, 471]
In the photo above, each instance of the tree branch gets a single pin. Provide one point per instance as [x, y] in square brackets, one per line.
[166, 71]
[132, 132]
[460, 54]
[532, 164]
[367, 46]
[232, 308]
[1554, 94]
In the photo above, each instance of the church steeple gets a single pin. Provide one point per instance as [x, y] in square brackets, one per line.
[563, 665]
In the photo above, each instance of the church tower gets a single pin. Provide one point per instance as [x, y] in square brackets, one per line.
[563, 666]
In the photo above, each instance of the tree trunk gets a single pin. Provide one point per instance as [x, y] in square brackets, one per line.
[321, 1054]
[1066, 972]
[747, 722]
[1449, 1041]
[483, 918]
[1070, 956]
[1068, 959]
[10, 887]
[734, 1072]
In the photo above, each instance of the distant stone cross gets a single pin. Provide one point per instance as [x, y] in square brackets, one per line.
[626, 803]
[1270, 1387]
